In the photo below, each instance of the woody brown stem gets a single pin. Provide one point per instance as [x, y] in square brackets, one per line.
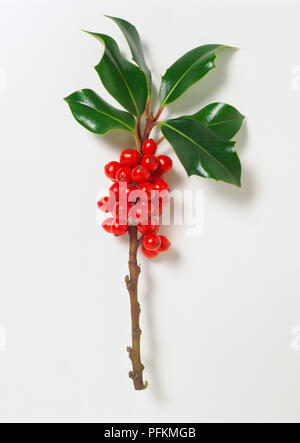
[132, 285]
[160, 140]
[134, 271]
[150, 123]
[159, 112]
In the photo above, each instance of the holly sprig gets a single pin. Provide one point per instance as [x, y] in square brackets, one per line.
[203, 141]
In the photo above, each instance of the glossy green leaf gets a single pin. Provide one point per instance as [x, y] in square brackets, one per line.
[224, 120]
[96, 115]
[123, 80]
[202, 152]
[134, 41]
[187, 71]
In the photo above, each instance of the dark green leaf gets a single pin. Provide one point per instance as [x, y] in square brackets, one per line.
[135, 45]
[187, 71]
[202, 152]
[123, 80]
[224, 120]
[96, 115]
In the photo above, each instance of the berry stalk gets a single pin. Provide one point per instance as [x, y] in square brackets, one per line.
[132, 285]
[133, 278]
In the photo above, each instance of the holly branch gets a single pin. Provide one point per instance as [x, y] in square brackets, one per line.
[139, 192]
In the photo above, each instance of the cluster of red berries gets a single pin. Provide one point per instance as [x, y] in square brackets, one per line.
[138, 196]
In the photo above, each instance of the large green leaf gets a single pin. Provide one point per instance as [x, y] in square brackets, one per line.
[123, 80]
[188, 70]
[224, 120]
[202, 152]
[96, 115]
[134, 41]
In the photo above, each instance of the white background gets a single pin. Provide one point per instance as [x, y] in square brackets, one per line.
[219, 310]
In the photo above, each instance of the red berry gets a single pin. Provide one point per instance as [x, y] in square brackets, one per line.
[126, 191]
[148, 229]
[148, 188]
[156, 229]
[165, 164]
[115, 191]
[164, 196]
[140, 174]
[149, 147]
[152, 242]
[165, 244]
[156, 207]
[124, 175]
[118, 228]
[106, 204]
[111, 170]
[121, 212]
[161, 185]
[149, 254]
[139, 213]
[107, 224]
[150, 162]
[130, 158]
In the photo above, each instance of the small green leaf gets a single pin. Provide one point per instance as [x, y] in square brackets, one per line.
[224, 120]
[96, 115]
[202, 152]
[134, 41]
[187, 71]
[123, 80]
